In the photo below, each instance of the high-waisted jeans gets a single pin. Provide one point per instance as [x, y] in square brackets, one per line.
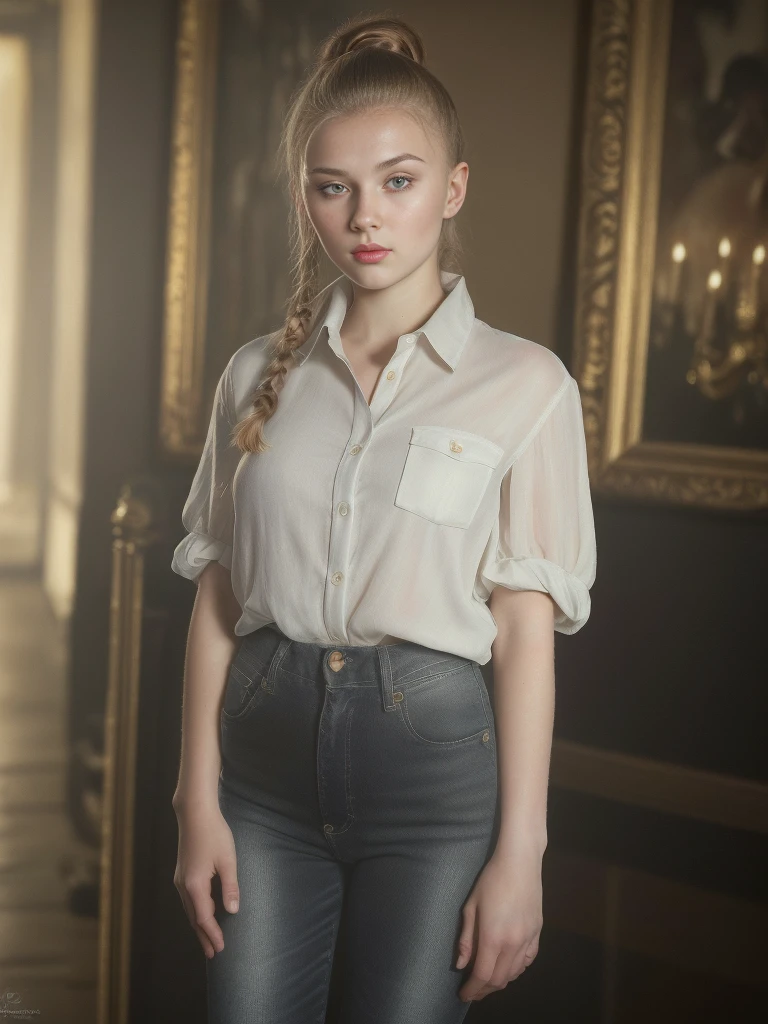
[355, 780]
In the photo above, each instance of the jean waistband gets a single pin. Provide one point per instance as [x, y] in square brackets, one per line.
[387, 666]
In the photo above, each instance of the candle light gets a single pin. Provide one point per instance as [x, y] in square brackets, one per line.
[746, 308]
[678, 259]
[724, 252]
[714, 281]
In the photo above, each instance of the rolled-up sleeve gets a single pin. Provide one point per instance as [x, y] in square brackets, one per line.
[208, 514]
[546, 535]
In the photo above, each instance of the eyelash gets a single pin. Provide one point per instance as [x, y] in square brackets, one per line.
[322, 188]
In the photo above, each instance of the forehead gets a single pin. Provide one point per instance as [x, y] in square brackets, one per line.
[359, 141]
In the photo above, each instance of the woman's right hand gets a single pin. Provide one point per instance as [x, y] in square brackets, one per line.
[206, 848]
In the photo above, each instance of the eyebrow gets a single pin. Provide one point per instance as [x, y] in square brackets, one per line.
[379, 167]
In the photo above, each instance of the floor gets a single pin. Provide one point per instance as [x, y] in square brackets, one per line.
[47, 953]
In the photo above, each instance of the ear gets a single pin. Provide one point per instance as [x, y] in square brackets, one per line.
[457, 189]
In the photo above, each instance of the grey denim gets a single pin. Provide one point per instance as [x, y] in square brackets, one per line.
[360, 780]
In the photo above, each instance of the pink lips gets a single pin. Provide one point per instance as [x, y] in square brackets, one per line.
[371, 255]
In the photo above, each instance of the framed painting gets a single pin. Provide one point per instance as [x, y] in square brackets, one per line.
[228, 250]
[671, 327]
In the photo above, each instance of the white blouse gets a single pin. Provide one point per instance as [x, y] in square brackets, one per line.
[395, 521]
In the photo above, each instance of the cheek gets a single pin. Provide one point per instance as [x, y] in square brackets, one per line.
[419, 212]
[325, 214]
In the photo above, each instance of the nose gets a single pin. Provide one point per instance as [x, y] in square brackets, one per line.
[366, 213]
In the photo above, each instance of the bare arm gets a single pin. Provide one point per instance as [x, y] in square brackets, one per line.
[502, 919]
[211, 645]
[206, 845]
[524, 705]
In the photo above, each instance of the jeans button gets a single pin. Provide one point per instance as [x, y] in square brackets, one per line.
[336, 660]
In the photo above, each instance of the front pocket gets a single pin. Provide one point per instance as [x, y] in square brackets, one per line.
[252, 673]
[446, 709]
[446, 474]
[242, 694]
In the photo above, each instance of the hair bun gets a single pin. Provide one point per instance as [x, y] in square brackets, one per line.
[373, 30]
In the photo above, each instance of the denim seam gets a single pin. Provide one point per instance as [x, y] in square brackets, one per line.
[249, 705]
[435, 743]
[329, 958]
[488, 713]
[415, 684]
[347, 788]
[428, 671]
[482, 691]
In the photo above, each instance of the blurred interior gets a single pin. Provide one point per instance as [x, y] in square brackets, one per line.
[655, 872]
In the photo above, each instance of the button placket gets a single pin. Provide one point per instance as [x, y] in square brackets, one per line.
[387, 387]
[364, 419]
[342, 520]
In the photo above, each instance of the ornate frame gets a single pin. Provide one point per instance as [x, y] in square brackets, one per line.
[620, 169]
[186, 295]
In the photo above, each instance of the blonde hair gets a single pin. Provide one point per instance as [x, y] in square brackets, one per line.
[369, 62]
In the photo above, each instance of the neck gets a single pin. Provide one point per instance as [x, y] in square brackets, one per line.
[376, 318]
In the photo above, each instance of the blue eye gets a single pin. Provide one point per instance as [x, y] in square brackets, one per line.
[402, 177]
[395, 177]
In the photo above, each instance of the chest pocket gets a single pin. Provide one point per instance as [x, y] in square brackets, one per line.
[446, 474]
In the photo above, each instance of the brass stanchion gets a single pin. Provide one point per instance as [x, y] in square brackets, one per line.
[133, 531]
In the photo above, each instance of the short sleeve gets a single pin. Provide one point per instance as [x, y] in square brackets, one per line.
[545, 538]
[208, 512]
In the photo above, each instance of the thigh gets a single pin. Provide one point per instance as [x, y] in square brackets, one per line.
[403, 921]
[278, 948]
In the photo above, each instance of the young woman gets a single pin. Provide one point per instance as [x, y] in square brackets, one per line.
[391, 494]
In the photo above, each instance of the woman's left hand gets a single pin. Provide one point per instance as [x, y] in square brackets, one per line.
[502, 920]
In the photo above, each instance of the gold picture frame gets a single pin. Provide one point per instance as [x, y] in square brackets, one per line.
[227, 271]
[621, 155]
[182, 391]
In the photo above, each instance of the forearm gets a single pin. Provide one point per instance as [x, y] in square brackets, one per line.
[524, 702]
[211, 645]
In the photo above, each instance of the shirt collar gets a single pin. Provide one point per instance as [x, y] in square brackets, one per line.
[446, 330]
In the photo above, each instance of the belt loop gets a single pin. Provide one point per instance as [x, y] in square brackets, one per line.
[385, 668]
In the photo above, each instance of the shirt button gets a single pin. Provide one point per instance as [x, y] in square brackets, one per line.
[409, 339]
[455, 446]
[337, 577]
[343, 508]
[354, 449]
[391, 375]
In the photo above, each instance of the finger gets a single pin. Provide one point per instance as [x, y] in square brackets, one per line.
[485, 964]
[204, 907]
[502, 974]
[466, 938]
[189, 909]
[518, 963]
[532, 952]
[230, 890]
